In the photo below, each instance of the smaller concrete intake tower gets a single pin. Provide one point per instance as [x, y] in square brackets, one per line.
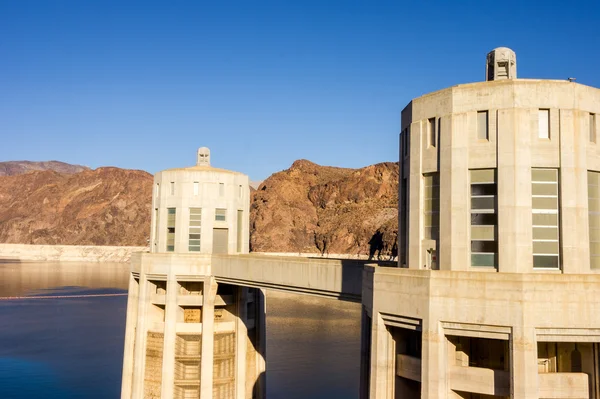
[200, 209]
[188, 336]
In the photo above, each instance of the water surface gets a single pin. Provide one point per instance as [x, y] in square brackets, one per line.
[73, 347]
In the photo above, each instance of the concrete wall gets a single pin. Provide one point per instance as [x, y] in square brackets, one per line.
[318, 255]
[521, 308]
[188, 335]
[81, 253]
[512, 148]
[332, 278]
[209, 198]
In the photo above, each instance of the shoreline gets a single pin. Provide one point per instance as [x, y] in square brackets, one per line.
[67, 253]
[121, 254]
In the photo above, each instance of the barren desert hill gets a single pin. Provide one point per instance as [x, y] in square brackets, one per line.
[306, 208]
[105, 206]
[313, 208]
[11, 168]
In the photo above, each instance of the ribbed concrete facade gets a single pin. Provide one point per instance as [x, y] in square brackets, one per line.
[188, 336]
[498, 291]
[200, 209]
[513, 151]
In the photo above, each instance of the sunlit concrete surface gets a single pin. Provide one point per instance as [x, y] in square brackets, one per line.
[497, 290]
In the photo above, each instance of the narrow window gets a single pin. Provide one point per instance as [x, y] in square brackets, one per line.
[431, 206]
[503, 70]
[196, 188]
[241, 192]
[171, 213]
[195, 229]
[431, 131]
[544, 123]
[220, 215]
[221, 189]
[592, 123]
[406, 145]
[156, 224]
[482, 125]
[157, 190]
[431, 213]
[240, 229]
[594, 218]
[403, 223]
[484, 220]
[403, 143]
[172, 188]
[544, 206]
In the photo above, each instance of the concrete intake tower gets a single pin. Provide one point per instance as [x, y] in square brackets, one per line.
[187, 336]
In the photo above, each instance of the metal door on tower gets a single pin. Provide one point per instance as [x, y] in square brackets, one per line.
[220, 239]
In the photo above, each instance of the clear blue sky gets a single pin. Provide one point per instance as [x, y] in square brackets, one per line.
[262, 83]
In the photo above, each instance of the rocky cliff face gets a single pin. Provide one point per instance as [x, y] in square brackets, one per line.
[106, 206]
[322, 209]
[12, 168]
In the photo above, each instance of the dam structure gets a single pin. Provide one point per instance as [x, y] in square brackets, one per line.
[187, 335]
[496, 293]
[196, 310]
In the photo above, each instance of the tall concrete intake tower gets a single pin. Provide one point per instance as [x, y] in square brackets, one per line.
[498, 290]
[187, 336]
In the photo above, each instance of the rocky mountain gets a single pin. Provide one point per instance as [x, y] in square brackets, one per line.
[323, 209]
[306, 208]
[12, 168]
[105, 206]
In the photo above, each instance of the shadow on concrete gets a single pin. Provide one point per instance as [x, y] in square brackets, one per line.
[258, 338]
[10, 260]
[259, 390]
[354, 262]
[501, 382]
[352, 276]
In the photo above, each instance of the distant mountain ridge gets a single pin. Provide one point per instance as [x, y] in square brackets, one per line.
[11, 168]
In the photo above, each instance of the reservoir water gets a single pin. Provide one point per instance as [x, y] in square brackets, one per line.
[71, 347]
